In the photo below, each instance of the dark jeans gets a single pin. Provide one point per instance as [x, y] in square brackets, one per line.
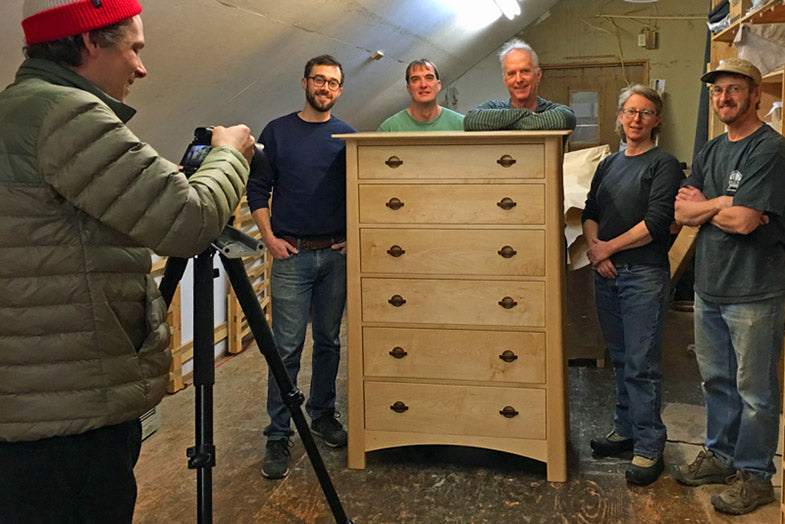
[77, 479]
[309, 281]
[631, 310]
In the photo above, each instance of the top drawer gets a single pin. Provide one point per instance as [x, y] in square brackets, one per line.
[439, 161]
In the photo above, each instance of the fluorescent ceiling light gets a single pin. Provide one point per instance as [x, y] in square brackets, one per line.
[510, 8]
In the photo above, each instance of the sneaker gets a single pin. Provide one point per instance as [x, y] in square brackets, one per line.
[330, 430]
[643, 471]
[611, 444]
[744, 494]
[276, 459]
[705, 469]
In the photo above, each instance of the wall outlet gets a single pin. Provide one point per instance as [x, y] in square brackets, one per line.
[642, 39]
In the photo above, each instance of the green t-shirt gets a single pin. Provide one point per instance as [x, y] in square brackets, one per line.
[448, 120]
[733, 268]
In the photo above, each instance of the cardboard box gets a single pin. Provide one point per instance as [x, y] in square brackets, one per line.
[739, 8]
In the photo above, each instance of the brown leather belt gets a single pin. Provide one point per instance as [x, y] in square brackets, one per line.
[313, 245]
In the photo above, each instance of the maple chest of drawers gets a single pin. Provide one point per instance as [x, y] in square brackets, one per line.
[456, 279]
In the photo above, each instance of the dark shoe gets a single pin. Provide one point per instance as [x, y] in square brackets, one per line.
[611, 445]
[744, 494]
[705, 469]
[330, 430]
[276, 459]
[643, 471]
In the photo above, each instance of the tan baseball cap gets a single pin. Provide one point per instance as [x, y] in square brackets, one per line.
[734, 66]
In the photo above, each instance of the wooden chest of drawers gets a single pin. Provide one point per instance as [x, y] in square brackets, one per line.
[455, 271]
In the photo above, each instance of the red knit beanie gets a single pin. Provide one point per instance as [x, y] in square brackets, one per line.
[45, 20]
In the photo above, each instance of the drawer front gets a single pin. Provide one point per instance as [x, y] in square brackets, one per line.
[428, 161]
[509, 204]
[496, 356]
[453, 302]
[455, 410]
[453, 251]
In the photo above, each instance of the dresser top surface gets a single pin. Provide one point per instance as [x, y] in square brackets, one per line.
[452, 136]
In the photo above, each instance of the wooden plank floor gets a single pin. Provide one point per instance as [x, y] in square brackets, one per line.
[436, 484]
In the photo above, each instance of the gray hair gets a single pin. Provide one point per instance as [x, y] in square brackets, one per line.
[518, 45]
[647, 92]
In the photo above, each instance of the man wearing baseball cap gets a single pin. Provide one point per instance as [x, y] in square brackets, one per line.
[736, 194]
[83, 333]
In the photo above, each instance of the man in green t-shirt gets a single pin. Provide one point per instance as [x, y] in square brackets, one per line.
[424, 113]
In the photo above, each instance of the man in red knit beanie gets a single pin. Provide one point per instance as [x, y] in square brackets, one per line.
[83, 334]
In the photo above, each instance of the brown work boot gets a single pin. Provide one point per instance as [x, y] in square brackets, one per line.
[744, 494]
[705, 469]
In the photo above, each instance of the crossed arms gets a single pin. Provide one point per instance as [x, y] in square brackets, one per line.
[692, 208]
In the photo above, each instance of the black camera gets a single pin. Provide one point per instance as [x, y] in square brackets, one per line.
[197, 150]
[201, 145]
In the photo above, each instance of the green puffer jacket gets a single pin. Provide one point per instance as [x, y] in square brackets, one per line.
[83, 334]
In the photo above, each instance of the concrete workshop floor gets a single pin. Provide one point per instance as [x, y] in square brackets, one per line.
[431, 484]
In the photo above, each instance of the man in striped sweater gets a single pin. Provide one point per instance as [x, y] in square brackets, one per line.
[524, 110]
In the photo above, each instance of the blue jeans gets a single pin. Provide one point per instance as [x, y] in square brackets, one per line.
[631, 310]
[312, 281]
[738, 347]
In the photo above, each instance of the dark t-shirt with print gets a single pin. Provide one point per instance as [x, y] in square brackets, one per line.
[731, 268]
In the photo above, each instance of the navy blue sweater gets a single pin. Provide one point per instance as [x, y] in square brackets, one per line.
[306, 173]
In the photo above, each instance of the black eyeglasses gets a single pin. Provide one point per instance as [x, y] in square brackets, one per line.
[645, 114]
[319, 81]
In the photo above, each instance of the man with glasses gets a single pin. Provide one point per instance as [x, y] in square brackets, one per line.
[736, 194]
[524, 110]
[424, 113]
[305, 232]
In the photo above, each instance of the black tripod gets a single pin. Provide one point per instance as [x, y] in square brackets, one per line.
[232, 245]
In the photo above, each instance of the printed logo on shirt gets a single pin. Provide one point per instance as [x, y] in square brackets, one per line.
[733, 182]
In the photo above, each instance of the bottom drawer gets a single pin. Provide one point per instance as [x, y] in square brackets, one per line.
[455, 410]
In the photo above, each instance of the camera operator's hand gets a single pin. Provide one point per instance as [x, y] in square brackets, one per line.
[238, 137]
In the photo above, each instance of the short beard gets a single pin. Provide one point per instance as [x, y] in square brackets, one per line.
[741, 109]
[310, 96]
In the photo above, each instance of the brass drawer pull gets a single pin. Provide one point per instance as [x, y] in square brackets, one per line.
[394, 204]
[398, 300]
[395, 251]
[507, 252]
[508, 303]
[506, 161]
[506, 203]
[398, 352]
[508, 356]
[400, 407]
[395, 162]
[509, 412]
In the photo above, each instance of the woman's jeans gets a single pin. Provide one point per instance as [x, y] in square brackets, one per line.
[312, 281]
[631, 309]
[738, 347]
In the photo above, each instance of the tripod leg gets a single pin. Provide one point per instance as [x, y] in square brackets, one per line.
[292, 397]
[202, 455]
